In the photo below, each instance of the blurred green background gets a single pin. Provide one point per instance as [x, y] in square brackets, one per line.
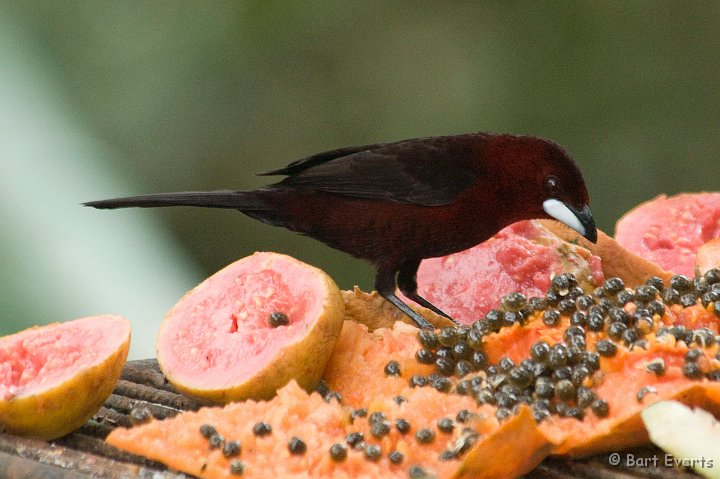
[104, 99]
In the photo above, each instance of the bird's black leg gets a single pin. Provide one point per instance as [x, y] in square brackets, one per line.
[385, 285]
[407, 282]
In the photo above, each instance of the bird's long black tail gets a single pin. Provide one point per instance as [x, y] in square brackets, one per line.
[246, 201]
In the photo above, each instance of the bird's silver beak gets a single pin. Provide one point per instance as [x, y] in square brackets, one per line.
[580, 220]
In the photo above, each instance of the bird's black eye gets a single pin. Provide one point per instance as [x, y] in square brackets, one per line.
[552, 185]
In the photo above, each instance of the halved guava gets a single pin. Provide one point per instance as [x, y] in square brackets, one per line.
[521, 257]
[669, 230]
[54, 378]
[250, 328]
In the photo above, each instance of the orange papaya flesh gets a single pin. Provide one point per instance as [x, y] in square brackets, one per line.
[356, 369]
[694, 318]
[367, 385]
[623, 378]
[516, 447]
[321, 425]
[628, 386]
[620, 380]
[515, 342]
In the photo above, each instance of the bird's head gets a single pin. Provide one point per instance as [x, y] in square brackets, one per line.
[551, 184]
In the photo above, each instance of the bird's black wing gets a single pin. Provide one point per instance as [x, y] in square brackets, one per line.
[425, 171]
[310, 161]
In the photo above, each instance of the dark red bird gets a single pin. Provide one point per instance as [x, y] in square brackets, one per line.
[395, 204]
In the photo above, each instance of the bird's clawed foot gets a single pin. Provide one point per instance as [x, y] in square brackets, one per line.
[427, 304]
[385, 285]
[419, 320]
[407, 282]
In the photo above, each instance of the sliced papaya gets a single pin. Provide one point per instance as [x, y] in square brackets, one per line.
[54, 378]
[635, 347]
[517, 447]
[297, 434]
[250, 328]
[507, 451]
[628, 386]
[357, 367]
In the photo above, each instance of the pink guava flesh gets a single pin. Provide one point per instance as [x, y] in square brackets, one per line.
[40, 358]
[522, 257]
[670, 230]
[219, 334]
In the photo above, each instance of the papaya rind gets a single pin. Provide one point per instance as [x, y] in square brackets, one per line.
[514, 449]
[376, 312]
[690, 434]
[630, 431]
[616, 259]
